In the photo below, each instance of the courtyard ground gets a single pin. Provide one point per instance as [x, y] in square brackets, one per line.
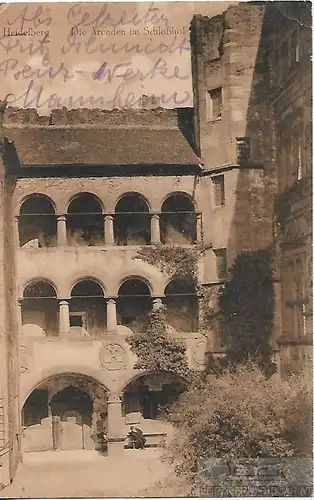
[86, 474]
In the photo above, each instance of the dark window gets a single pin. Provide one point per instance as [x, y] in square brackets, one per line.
[77, 319]
[243, 149]
[214, 104]
[221, 263]
[219, 190]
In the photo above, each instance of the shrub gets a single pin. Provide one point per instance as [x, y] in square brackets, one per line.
[241, 415]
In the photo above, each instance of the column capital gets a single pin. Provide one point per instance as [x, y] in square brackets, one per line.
[114, 398]
[155, 216]
[61, 218]
[64, 301]
[108, 216]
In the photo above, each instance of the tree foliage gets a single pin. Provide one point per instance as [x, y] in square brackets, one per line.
[247, 309]
[156, 351]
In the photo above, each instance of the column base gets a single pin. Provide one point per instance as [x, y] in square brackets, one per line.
[115, 447]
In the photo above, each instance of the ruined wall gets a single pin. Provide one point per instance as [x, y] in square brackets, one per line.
[64, 116]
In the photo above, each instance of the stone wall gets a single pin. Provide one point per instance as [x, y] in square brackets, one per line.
[291, 100]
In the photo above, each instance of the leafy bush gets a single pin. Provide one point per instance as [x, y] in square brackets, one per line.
[241, 415]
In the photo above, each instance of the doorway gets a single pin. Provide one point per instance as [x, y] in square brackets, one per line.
[63, 413]
[71, 412]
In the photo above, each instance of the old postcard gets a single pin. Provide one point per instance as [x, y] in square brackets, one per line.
[156, 249]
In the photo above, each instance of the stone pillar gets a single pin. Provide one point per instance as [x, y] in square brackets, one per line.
[116, 436]
[155, 229]
[111, 315]
[61, 231]
[64, 318]
[109, 233]
[199, 232]
[16, 233]
[19, 318]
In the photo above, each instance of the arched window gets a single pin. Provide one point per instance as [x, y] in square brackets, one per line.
[132, 221]
[40, 307]
[88, 308]
[178, 220]
[37, 222]
[134, 303]
[182, 305]
[85, 221]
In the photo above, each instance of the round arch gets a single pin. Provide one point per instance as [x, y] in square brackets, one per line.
[37, 222]
[88, 196]
[134, 302]
[182, 194]
[182, 305]
[37, 196]
[63, 412]
[135, 195]
[148, 393]
[87, 278]
[39, 279]
[177, 286]
[178, 220]
[85, 220]
[135, 278]
[90, 375]
[132, 224]
[135, 376]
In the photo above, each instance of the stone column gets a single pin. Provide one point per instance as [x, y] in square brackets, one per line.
[116, 435]
[111, 316]
[16, 233]
[155, 229]
[109, 233]
[199, 232]
[64, 318]
[61, 231]
[19, 318]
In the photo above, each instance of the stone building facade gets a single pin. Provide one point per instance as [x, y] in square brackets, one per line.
[82, 191]
[291, 91]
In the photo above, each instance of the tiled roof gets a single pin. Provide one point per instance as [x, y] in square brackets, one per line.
[99, 145]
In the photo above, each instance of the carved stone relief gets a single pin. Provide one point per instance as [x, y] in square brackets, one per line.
[113, 357]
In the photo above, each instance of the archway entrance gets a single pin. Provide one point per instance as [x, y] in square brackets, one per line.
[65, 412]
[145, 400]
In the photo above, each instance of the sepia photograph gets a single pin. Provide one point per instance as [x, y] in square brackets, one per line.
[156, 278]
